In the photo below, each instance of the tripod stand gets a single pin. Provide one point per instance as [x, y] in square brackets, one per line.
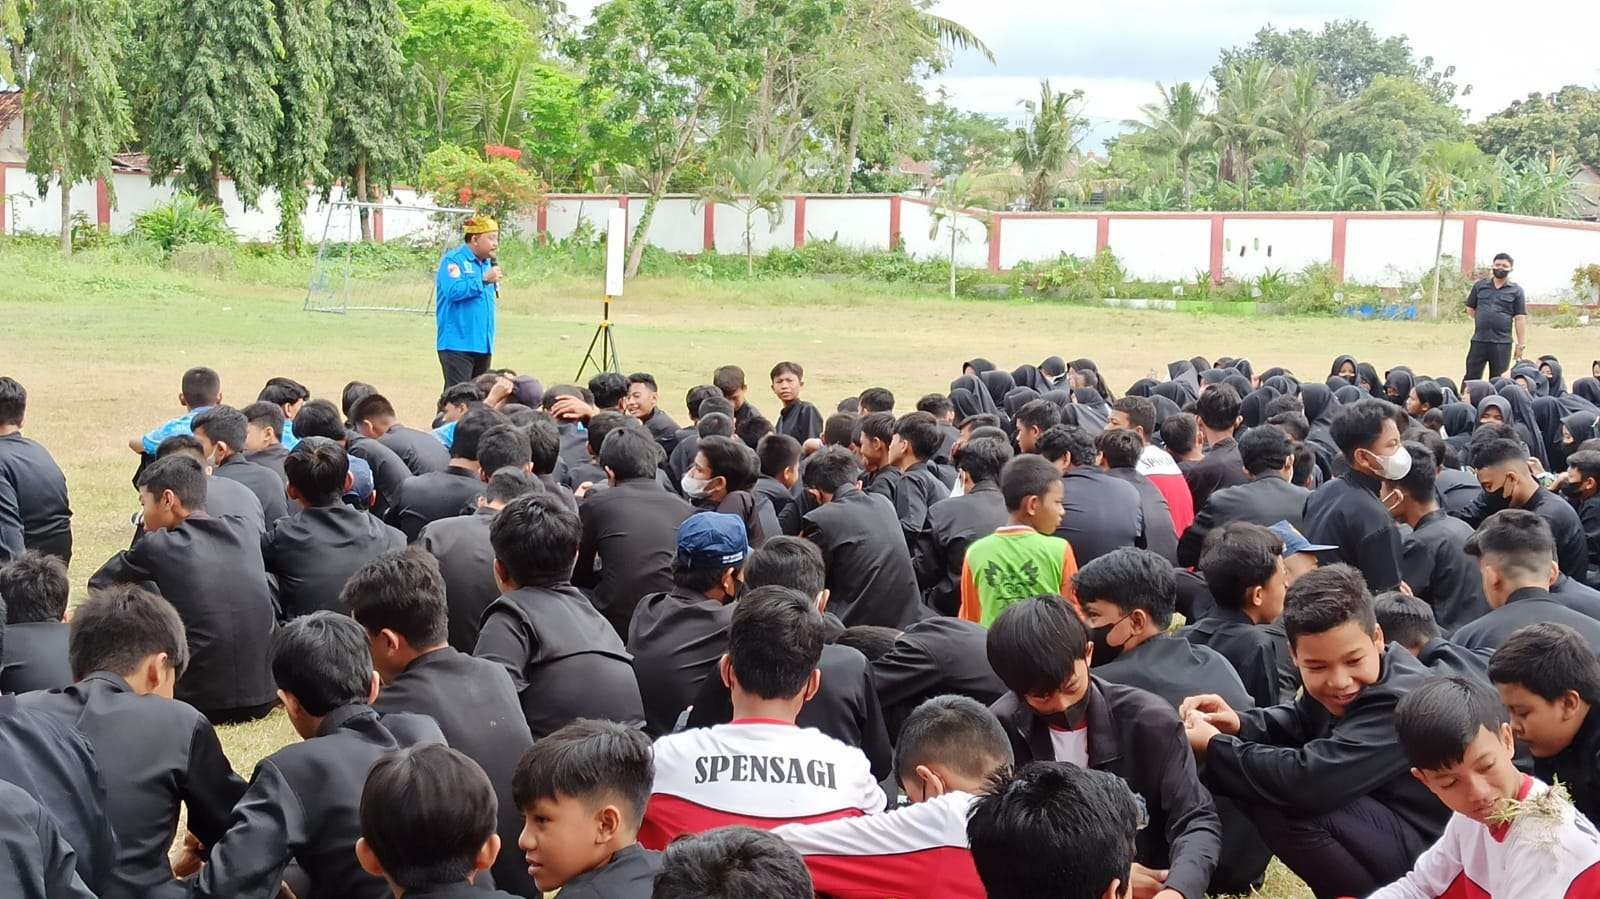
[608, 360]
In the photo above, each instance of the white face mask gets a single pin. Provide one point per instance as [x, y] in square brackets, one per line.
[1395, 466]
[693, 487]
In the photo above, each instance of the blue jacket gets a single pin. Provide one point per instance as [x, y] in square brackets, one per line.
[463, 304]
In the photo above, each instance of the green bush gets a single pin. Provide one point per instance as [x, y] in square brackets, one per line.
[182, 221]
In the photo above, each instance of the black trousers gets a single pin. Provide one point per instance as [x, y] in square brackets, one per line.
[1350, 851]
[1495, 355]
[462, 367]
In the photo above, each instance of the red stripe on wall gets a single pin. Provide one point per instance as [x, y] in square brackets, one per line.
[894, 223]
[377, 225]
[994, 243]
[102, 204]
[1102, 234]
[4, 220]
[1339, 223]
[708, 235]
[799, 222]
[1216, 249]
[1469, 244]
[542, 223]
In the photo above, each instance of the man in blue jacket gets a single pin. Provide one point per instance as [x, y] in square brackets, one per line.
[464, 293]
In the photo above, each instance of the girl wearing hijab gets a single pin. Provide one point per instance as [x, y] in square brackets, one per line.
[1522, 416]
[979, 395]
[1284, 384]
[1187, 377]
[1254, 408]
[1200, 364]
[1030, 377]
[1344, 368]
[1576, 428]
[965, 403]
[1528, 378]
[1367, 377]
[1243, 366]
[1588, 389]
[1459, 421]
[1349, 393]
[1398, 384]
[976, 366]
[1476, 391]
[998, 383]
[1017, 397]
[1092, 411]
[1547, 414]
[1239, 383]
[1174, 392]
[1144, 387]
[1089, 374]
[1053, 369]
[1550, 367]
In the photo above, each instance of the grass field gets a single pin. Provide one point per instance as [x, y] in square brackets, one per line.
[101, 340]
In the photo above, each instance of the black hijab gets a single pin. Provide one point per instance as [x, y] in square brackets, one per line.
[1143, 387]
[1558, 381]
[1338, 363]
[1367, 377]
[1239, 383]
[1243, 366]
[1318, 402]
[1017, 397]
[1459, 418]
[998, 383]
[1030, 377]
[1285, 385]
[1062, 398]
[1536, 384]
[1350, 393]
[965, 403]
[1522, 414]
[979, 394]
[978, 366]
[1254, 408]
[1547, 413]
[1589, 389]
[1165, 409]
[1200, 364]
[1091, 409]
[1476, 391]
[1053, 368]
[1187, 377]
[1174, 392]
[1581, 425]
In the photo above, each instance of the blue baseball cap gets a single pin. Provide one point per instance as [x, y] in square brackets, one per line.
[712, 540]
[1296, 542]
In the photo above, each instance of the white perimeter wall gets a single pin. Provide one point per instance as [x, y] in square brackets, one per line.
[1040, 239]
[1545, 255]
[1251, 247]
[972, 242]
[1392, 251]
[1160, 249]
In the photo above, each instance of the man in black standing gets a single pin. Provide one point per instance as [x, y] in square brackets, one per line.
[1497, 307]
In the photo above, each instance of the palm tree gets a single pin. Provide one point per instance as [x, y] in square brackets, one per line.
[1330, 187]
[1383, 186]
[1178, 129]
[1046, 145]
[1450, 171]
[1241, 124]
[959, 196]
[1303, 112]
[750, 184]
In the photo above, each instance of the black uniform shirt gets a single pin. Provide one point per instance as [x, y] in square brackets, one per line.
[40, 864]
[953, 525]
[1441, 574]
[1530, 605]
[430, 497]
[663, 429]
[466, 560]
[314, 551]
[631, 530]
[933, 657]
[630, 874]
[1346, 513]
[33, 501]
[1158, 535]
[1257, 652]
[1578, 767]
[389, 471]
[266, 485]
[1495, 306]
[800, 420]
[1220, 467]
[870, 580]
[1101, 513]
[676, 640]
[419, 450]
[271, 459]
[34, 657]
[1175, 669]
[1264, 500]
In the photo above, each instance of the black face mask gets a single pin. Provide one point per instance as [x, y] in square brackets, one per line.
[1502, 273]
[1573, 490]
[1103, 650]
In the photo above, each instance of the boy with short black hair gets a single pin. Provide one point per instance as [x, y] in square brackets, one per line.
[1217, 410]
[212, 571]
[916, 439]
[224, 498]
[1268, 456]
[399, 599]
[564, 658]
[373, 482]
[1346, 512]
[34, 512]
[1180, 436]
[1548, 677]
[1053, 829]
[1325, 777]
[1024, 558]
[222, 431]
[454, 491]
[779, 455]
[263, 438]
[1099, 512]
[1119, 450]
[583, 791]
[33, 595]
[730, 380]
[1516, 557]
[201, 390]
[875, 399]
[1435, 564]
[874, 434]
[1056, 710]
[427, 824]
[1509, 835]
[642, 402]
[311, 553]
[798, 418]
[1032, 420]
[959, 521]
[466, 557]
[948, 750]
[303, 801]
[288, 395]
[1508, 483]
[128, 650]
[760, 769]
[870, 580]
[1409, 621]
[373, 417]
[1244, 571]
[732, 863]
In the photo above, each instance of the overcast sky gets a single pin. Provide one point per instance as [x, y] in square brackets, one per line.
[1116, 50]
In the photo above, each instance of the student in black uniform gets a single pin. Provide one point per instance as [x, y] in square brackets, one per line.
[916, 439]
[41, 864]
[954, 523]
[1325, 778]
[1100, 512]
[1508, 483]
[428, 824]
[1409, 621]
[224, 498]
[263, 439]
[723, 478]
[545, 441]
[1549, 680]
[1268, 497]
[1435, 564]
[682, 455]
[846, 706]
[629, 529]
[128, 650]
[642, 402]
[1032, 420]
[779, 455]
[1056, 710]
[798, 418]
[221, 432]
[34, 513]
[311, 553]
[303, 802]
[1244, 571]
[677, 637]
[564, 658]
[933, 657]
[870, 580]
[582, 791]
[453, 491]
[875, 399]
[1119, 450]
[375, 471]
[732, 863]
[1581, 487]
[211, 570]
[33, 594]
[1346, 512]
[373, 417]
[730, 380]
[588, 472]
[874, 431]
[1217, 411]
[1516, 556]
[399, 600]
[466, 558]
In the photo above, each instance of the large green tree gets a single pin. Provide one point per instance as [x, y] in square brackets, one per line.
[450, 40]
[305, 74]
[1349, 54]
[76, 113]
[372, 104]
[1303, 114]
[1176, 128]
[1566, 123]
[1044, 146]
[1241, 125]
[214, 109]
[1393, 115]
[956, 140]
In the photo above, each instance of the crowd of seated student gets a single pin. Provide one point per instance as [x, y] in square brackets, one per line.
[975, 604]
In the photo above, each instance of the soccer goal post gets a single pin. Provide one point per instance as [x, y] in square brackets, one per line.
[350, 275]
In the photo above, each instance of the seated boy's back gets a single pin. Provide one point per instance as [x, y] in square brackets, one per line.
[40, 863]
[869, 567]
[34, 588]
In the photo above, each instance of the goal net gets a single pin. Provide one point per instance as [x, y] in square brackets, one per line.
[394, 276]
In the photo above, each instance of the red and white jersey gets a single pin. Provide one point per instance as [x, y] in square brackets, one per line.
[1534, 857]
[757, 772]
[917, 852]
[1158, 466]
